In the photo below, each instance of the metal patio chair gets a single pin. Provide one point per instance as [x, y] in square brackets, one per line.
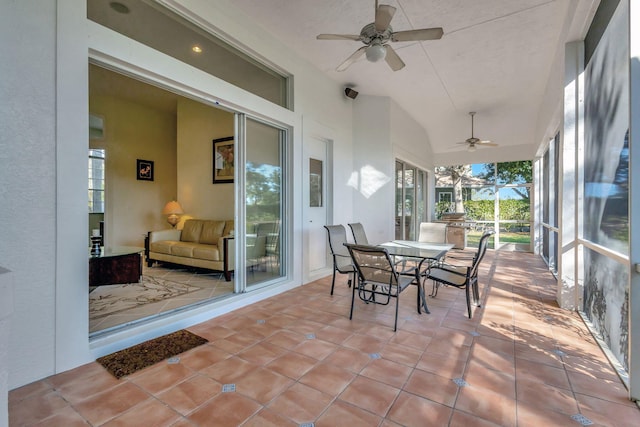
[463, 277]
[377, 278]
[341, 259]
[359, 235]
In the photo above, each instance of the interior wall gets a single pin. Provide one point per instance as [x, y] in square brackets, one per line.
[134, 131]
[198, 125]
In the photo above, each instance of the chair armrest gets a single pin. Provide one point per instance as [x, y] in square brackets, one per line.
[156, 236]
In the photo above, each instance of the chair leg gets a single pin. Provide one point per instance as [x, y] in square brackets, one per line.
[468, 292]
[353, 297]
[333, 280]
[395, 324]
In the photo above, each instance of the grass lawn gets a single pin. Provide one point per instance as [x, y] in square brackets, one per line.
[473, 238]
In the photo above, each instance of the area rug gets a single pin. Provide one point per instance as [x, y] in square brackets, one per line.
[110, 299]
[127, 361]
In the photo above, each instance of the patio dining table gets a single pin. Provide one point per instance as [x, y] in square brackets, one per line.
[420, 252]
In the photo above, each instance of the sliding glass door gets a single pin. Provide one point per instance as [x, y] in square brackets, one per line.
[264, 202]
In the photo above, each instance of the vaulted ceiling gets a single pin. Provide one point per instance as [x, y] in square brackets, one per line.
[495, 58]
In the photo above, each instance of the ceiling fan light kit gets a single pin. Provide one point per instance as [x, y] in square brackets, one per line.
[377, 34]
[473, 142]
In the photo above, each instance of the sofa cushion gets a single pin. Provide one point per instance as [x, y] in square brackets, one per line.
[162, 247]
[184, 249]
[208, 252]
[191, 231]
[211, 232]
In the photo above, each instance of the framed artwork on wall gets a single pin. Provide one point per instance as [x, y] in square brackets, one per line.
[223, 160]
[144, 170]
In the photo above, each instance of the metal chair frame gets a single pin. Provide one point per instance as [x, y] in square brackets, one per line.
[463, 277]
[342, 264]
[377, 277]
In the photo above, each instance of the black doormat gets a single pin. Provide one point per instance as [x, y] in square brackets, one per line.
[132, 359]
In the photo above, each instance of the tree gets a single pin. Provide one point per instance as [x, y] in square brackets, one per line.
[456, 173]
[519, 172]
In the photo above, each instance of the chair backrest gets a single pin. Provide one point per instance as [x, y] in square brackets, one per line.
[482, 249]
[359, 236]
[373, 264]
[337, 239]
[433, 232]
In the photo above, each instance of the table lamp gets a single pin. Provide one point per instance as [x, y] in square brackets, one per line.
[173, 210]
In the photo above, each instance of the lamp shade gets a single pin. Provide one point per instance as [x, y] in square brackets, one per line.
[375, 52]
[172, 208]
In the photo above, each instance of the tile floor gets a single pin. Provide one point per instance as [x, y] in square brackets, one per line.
[297, 360]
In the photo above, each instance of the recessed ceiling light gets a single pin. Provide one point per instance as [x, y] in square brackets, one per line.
[196, 49]
[119, 7]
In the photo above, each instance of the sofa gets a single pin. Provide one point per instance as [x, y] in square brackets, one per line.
[201, 243]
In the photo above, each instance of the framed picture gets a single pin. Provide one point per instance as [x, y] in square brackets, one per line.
[144, 170]
[223, 160]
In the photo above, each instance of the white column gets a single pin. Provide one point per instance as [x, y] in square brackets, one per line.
[569, 292]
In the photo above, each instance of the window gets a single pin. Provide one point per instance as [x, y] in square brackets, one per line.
[96, 181]
[445, 197]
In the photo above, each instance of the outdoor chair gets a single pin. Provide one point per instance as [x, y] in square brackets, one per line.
[377, 278]
[359, 236]
[341, 258]
[463, 277]
[433, 232]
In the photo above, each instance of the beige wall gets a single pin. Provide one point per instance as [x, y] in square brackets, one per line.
[198, 126]
[133, 131]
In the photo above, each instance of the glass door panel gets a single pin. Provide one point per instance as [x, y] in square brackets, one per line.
[264, 202]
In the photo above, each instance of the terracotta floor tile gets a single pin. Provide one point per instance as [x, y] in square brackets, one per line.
[285, 339]
[203, 356]
[36, 408]
[442, 365]
[479, 377]
[364, 343]
[102, 407]
[556, 377]
[370, 395]
[189, 394]
[463, 419]
[269, 418]
[410, 410]
[162, 376]
[261, 353]
[545, 397]
[349, 359]
[228, 370]
[433, 387]
[401, 354]
[66, 417]
[487, 405]
[388, 372]
[508, 350]
[606, 413]
[301, 403]
[316, 348]
[262, 384]
[327, 378]
[333, 334]
[237, 409]
[153, 412]
[292, 364]
[343, 414]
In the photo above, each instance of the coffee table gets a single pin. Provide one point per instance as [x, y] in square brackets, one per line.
[116, 265]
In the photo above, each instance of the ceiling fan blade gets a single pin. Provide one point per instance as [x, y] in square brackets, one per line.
[350, 60]
[384, 14]
[393, 59]
[487, 144]
[417, 35]
[338, 37]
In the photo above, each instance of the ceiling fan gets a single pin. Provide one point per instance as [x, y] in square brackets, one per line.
[474, 142]
[377, 34]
